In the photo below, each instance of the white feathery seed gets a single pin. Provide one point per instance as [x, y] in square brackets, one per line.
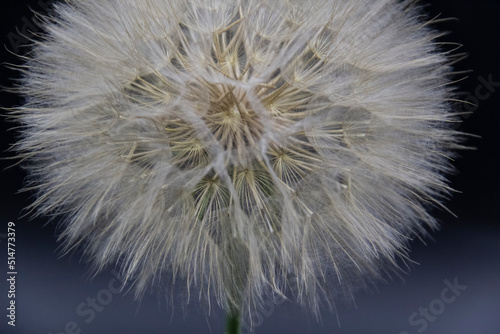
[247, 148]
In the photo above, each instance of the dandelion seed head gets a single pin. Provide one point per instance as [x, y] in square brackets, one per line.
[246, 147]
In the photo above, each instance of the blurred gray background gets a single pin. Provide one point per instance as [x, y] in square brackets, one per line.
[57, 294]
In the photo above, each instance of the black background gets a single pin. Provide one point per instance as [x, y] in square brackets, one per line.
[50, 288]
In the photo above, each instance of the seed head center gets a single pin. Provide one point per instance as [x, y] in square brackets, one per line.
[232, 119]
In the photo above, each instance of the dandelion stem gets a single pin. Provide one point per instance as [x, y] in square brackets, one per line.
[233, 322]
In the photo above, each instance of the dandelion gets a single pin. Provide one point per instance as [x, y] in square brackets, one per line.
[247, 148]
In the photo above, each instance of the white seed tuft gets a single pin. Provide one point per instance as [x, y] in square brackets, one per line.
[246, 147]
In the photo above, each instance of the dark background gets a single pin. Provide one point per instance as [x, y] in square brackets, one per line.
[51, 288]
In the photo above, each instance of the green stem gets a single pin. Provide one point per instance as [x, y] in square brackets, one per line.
[233, 323]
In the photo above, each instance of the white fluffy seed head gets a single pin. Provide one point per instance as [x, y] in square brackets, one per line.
[246, 147]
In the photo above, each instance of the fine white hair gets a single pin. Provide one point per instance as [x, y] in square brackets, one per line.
[244, 147]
